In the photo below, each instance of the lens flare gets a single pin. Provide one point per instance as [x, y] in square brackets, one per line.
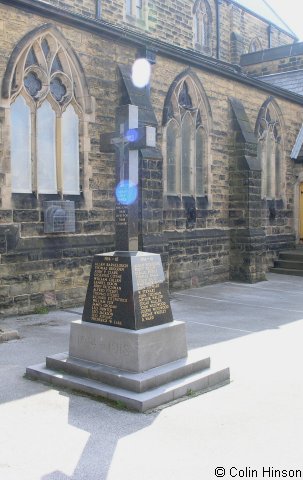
[141, 72]
[131, 135]
[126, 192]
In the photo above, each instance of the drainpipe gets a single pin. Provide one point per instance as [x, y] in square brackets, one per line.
[269, 30]
[98, 9]
[218, 3]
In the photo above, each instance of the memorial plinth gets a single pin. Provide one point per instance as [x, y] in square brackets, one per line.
[131, 350]
[133, 383]
[127, 290]
[127, 347]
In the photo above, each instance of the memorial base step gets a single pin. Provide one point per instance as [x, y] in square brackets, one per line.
[137, 391]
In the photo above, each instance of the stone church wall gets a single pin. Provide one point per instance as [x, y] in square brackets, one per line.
[277, 60]
[202, 255]
[52, 270]
[172, 21]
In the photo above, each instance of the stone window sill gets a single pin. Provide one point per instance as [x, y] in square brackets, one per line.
[202, 49]
[136, 22]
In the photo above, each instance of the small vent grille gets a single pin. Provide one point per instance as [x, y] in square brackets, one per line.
[59, 216]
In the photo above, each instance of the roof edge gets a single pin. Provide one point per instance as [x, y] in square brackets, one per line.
[290, 32]
[139, 40]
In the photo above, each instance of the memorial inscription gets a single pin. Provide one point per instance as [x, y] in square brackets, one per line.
[127, 290]
[121, 216]
[148, 279]
[106, 300]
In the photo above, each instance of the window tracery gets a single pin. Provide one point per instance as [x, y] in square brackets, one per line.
[255, 45]
[45, 86]
[270, 151]
[202, 26]
[186, 141]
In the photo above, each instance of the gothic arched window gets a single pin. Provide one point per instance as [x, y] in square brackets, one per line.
[186, 135]
[255, 45]
[135, 9]
[46, 109]
[268, 131]
[202, 26]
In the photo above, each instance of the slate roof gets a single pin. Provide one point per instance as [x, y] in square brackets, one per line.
[291, 81]
[263, 9]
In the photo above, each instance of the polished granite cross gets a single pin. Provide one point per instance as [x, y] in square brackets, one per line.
[126, 142]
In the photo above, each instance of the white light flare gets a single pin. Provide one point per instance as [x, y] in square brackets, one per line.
[141, 72]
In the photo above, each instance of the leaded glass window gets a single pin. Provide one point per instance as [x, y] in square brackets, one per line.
[139, 8]
[45, 116]
[173, 135]
[135, 9]
[186, 140]
[269, 151]
[32, 84]
[187, 154]
[46, 149]
[70, 151]
[184, 97]
[200, 154]
[129, 7]
[21, 146]
[202, 25]
[58, 89]
[45, 47]
[31, 58]
[56, 65]
[255, 45]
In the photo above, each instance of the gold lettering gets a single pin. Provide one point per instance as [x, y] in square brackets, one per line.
[148, 279]
[106, 290]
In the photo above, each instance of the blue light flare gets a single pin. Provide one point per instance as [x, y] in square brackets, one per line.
[132, 135]
[126, 192]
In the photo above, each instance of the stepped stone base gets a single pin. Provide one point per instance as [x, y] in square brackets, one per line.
[133, 350]
[158, 368]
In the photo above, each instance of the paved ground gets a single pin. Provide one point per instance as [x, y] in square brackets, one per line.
[253, 428]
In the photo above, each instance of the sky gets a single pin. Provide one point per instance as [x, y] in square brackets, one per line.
[291, 11]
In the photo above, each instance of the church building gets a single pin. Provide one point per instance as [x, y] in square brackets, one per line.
[221, 193]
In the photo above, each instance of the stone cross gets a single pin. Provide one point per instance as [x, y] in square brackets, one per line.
[126, 141]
